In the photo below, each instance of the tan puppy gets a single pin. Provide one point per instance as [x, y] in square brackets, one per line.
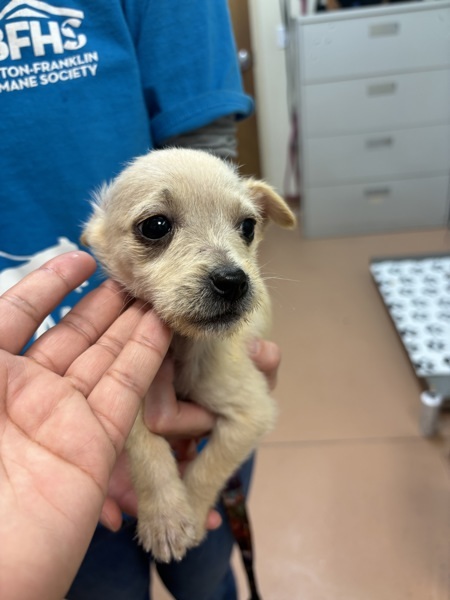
[179, 228]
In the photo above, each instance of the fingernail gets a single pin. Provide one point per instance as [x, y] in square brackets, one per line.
[191, 452]
[254, 347]
[109, 524]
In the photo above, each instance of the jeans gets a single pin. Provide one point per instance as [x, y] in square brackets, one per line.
[116, 568]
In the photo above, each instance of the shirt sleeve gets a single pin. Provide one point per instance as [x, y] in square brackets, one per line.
[189, 68]
[219, 138]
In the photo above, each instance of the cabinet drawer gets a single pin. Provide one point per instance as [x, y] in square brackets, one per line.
[359, 46]
[391, 154]
[376, 207]
[377, 103]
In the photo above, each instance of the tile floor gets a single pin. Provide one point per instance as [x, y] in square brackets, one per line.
[348, 501]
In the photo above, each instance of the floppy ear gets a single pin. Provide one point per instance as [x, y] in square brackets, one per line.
[271, 204]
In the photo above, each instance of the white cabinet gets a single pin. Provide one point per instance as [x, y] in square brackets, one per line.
[374, 109]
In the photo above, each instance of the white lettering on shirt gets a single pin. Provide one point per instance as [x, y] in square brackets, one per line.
[47, 32]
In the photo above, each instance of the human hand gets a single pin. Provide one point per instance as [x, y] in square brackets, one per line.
[66, 408]
[167, 416]
[267, 357]
[183, 424]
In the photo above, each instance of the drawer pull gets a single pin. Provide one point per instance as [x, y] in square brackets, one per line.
[376, 196]
[382, 142]
[382, 89]
[372, 193]
[384, 29]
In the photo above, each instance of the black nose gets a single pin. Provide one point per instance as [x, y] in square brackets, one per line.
[229, 283]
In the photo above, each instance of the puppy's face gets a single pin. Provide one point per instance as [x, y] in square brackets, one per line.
[179, 229]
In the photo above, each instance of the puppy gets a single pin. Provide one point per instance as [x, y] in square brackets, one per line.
[179, 228]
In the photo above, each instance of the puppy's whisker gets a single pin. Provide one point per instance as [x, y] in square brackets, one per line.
[277, 278]
[145, 306]
[119, 292]
[127, 300]
[263, 266]
[279, 298]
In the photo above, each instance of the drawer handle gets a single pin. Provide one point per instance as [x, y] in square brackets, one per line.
[374, 194]
[382, 89]
[384, 29]
[377, 196]
[382, 142]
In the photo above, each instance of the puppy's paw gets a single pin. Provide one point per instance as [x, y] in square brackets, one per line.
[167, 532]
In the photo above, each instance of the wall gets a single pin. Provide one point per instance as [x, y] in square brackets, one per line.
[270, 81]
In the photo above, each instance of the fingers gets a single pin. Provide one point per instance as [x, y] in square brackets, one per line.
[120, 488]
[116, 397]
[25, 305]
[80, 328]
[267, 357]
[214, 520]
[111, 515]
[122, 497]
[89, 367]
[169, 417]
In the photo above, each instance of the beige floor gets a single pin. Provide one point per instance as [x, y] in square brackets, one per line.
[348, 501]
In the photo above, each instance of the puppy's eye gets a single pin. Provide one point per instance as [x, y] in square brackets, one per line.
[248, 229]
[155, 228]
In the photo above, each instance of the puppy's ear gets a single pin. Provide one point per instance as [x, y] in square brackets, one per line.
[271, 204]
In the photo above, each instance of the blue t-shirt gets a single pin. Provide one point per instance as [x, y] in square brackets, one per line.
[84, 87]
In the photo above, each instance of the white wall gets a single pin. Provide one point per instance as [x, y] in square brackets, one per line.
[270, 82]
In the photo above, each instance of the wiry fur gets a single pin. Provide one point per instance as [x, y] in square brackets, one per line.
[206, 201]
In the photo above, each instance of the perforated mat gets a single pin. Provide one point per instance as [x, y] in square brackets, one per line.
[416, 292]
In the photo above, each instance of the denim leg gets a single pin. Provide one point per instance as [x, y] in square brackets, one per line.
[114, 568]
[205, 572]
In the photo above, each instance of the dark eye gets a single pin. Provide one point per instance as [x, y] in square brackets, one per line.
[155, 228]
[248, 229]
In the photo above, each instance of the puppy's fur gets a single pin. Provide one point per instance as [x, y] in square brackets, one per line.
[200, 275]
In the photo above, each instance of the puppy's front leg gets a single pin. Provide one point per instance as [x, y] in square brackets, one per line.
[234, 437]
[165, 520]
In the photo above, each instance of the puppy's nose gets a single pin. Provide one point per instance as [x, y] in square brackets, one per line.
[231, 284]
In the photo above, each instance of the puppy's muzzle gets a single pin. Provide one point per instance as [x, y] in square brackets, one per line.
[230, 284]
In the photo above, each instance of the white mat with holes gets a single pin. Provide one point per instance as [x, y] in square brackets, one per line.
[416, 293]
